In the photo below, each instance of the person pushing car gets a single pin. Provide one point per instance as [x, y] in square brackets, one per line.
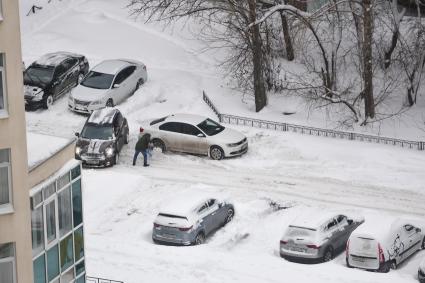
[142, 146]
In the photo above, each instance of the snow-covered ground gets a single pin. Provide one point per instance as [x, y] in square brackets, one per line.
[299, 171]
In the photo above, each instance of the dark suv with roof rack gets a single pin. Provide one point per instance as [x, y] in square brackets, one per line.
[52, 76]
[102, 138]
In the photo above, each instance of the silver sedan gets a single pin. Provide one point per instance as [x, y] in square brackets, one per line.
[107, 84]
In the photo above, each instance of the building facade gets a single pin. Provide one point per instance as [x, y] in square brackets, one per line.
[15, 217]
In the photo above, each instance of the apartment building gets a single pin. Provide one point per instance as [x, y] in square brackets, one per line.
[41, 212]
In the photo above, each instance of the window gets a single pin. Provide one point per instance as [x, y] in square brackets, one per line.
[211, 202]
[5, 177]
[408, 227]
[63, 181]
[68, 276]
[190, 130]
[210, 127]
[49, 190]
[39, 267]
[59, 71]
[80, 268]
[65, 211]
[52, 263]
[171, 127]
[120, 77]
[79, 244]
[68, 64]
[2, 81]
[37, 230]
[203, 208]
[82, 279]
[76, 172]
[331, 224]
[77, 209]
[341, 218]
[50, 221]
[7, 263]
[158, 120]
[66, 252]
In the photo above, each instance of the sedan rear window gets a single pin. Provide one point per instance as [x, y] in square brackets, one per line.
[171, 216]
[98, 80]
[295, 231]
[210, 127]
[156, 121]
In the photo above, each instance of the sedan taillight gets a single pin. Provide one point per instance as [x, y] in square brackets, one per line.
[313, 247]
[156, 225]
[185, 229]
[283, 242]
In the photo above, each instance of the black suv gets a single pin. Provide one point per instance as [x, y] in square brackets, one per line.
[52, 76]
[102, 138]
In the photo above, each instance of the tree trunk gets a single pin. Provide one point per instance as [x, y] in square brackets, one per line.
[287, 37]
[390, 51]
[257, 60]
[367, 59]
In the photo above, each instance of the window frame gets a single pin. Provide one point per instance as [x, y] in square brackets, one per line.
[7, 207]
[3, 111]
[11, 259]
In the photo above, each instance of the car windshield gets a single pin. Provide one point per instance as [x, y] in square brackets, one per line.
[97, 132]
[98, 80]
[210, 127]
[39, 74]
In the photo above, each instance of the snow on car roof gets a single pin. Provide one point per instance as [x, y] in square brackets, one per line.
[185, 206]
[111, 66]
[188, 118]
[54, 59]
[382, 228]
[103, 116]
[313, 218]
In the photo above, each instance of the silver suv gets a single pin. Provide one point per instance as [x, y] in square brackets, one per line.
[190, 221]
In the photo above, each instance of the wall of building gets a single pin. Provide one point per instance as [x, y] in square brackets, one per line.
[16, 226]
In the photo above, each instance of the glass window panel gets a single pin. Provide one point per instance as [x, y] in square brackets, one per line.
[39, 267]
[1, 88]
[4, 156]
[37, 230]
[7, 250]
[81, 279]
[80, 268]
[75, 172]
[77, 209]
[36, 200]
[66, 252]
[52, 263]
[49, 190]
[79, 244]
[4, 185]
[63, 181]
[1, 55]
[6, 272]
[65, 211]
[68, 276]
[50, 221]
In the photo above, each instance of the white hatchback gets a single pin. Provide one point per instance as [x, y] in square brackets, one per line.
[197, 135]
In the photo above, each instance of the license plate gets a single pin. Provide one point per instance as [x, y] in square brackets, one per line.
[169, 236]
[92, 162]
[359, 259]
[297, 249]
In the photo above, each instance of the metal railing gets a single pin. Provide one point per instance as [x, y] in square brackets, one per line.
[100, 280]
[285, 127]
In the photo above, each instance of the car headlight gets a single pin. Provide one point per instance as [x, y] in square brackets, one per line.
[77, 150]
[97, 102]
[39, 96]
[232, 144]
[109, 151]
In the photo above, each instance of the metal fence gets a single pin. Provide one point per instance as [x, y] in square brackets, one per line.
[100, 280]
[285, 127]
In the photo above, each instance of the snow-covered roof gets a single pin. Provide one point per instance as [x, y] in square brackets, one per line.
[103, 116]
[54, 59]
[313, 218]
[185, 206]
[110, 66]
[41, 147]
[188, 118]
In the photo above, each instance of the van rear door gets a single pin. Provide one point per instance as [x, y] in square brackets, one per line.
[363, 252]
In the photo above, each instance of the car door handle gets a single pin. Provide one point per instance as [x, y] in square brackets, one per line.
[213, 213]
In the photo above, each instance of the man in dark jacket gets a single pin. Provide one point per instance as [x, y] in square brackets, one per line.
[142, 147]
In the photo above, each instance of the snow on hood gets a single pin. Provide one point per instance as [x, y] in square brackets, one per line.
[31, 90]
[229, 136]
[93, 145]
[88, 94]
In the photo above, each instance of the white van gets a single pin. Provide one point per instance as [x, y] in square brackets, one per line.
[381, 245]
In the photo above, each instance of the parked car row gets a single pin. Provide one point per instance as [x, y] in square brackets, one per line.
[107, 84]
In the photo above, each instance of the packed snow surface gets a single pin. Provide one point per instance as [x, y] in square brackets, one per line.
[284, 170]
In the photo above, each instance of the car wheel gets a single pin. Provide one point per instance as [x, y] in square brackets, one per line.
[216, 152]
[157, 143]
[229, 216]
[328, 256]
[80, 78]
[423, 244]
[385, 267]
[139, 83]
[49, 102]
[110, 103]
[200, 239]
[347, 263]
[393, 265]
[127, 138]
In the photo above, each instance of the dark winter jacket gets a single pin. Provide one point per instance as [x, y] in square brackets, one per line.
[143, 142]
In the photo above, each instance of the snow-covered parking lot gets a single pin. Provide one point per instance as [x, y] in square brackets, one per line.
[301, 172]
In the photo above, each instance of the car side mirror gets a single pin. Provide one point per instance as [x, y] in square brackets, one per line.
[200, 135]
[418, 230]
[220, 205]
[77, 135]
[350, 221]
[116, 86]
